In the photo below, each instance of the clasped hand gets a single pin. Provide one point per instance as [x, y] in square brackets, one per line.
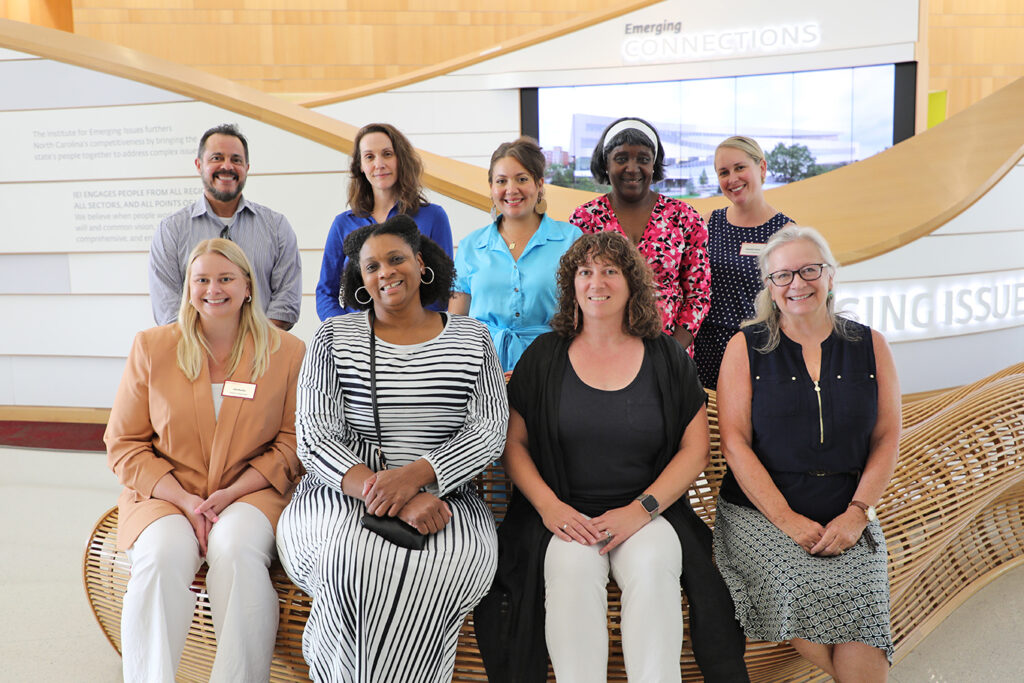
[202, 514]
[838, 536]
[394, 493]
[387, 492]
[614, 527]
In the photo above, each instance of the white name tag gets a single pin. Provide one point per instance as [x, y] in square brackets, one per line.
[238, 389]
[751, 249]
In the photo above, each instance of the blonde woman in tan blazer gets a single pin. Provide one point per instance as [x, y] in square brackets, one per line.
[202, 435]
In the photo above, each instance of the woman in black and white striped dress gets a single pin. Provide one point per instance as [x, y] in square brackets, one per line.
[382, 612]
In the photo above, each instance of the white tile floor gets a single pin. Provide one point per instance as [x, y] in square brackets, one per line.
[50, 501]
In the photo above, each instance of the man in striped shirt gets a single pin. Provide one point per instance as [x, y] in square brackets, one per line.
[264, 235]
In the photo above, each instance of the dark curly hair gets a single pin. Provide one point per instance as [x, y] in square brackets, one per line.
[642, 318]
[405, 228]
[408, 187]
[599, 159]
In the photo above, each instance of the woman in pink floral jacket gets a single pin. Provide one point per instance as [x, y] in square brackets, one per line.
[668, 232]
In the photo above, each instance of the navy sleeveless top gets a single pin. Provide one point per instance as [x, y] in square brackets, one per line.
[814, 442]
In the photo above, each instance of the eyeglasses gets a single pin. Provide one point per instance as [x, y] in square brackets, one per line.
[809, 273]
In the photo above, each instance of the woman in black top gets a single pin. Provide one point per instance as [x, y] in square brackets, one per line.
[809, 413]
[607, 431]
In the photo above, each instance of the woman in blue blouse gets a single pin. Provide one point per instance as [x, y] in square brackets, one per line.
[385, 182]
[506, 270]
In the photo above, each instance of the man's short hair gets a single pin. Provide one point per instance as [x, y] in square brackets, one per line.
[224, 129]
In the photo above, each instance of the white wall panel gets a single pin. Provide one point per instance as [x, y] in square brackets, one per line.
[91, 325]
[432, 110]
[78, 87]
[110, 273]
[941, 255]
[71, 381]
[6, 380]
[6, 54]
[467, 126]
[705, 40]
[28, 273]
[994, 211]
[552, 77]
[143, 141]
[952, 361]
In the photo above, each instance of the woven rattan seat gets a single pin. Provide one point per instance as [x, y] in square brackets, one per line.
[953, 517]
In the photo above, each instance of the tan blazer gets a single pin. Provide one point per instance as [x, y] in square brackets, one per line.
[163, 423]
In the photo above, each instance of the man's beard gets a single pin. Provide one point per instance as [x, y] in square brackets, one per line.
[220, 195]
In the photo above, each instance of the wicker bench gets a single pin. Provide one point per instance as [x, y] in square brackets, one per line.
[952, 516]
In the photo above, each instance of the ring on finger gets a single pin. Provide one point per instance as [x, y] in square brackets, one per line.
[608, 534]
[565, 526]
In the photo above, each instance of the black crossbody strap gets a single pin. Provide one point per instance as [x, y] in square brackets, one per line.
[373, 391]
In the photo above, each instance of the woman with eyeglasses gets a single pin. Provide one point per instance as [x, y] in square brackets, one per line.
[809, 416]
[736, 235]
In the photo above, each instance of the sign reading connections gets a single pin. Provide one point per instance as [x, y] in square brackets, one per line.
[668, 42]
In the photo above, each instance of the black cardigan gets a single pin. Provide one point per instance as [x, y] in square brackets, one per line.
[510, 620]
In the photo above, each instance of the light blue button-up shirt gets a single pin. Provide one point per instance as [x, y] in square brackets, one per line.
[515, 299]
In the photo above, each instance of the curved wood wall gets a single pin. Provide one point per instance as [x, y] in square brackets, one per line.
[305, 46]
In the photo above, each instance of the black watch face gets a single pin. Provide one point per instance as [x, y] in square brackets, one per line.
[650, 504]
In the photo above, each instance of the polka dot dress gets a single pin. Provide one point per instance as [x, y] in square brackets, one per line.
[735, 281]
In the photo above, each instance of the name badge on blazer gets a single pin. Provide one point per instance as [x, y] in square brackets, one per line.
[751, 249]
[238, 390]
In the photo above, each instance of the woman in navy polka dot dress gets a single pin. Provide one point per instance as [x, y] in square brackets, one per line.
[736, 236]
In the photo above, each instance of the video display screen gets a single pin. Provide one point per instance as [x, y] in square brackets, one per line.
[807, 122]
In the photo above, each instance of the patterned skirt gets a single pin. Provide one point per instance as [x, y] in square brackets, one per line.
[782, 592]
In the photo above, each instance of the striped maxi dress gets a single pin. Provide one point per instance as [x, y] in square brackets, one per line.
[381, 612]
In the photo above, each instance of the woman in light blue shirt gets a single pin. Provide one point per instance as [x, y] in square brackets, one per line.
[506, 270]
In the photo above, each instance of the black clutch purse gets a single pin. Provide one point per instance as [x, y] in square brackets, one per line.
[389, 528]
[395, 530]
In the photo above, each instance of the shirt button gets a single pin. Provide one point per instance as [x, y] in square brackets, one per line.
[839, 376]
[517, 315]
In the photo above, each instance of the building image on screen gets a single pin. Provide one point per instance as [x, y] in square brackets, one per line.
[808, 123]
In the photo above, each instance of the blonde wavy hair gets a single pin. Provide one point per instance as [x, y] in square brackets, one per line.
[193, 347]
[767, 314]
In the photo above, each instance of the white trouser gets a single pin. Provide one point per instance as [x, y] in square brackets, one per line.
[158, 604]
[647, 568]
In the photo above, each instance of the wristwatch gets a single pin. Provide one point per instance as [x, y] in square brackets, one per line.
[650, 504]
[869, 510]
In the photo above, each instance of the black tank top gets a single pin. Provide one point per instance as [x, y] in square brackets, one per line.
[813, 440]
[610, 439]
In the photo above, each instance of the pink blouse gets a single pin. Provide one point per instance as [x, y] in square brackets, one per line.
[675, 245]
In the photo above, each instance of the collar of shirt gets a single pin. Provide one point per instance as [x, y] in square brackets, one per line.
[545, 233]
[203, 206]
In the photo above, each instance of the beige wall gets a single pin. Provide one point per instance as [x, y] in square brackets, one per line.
[974, 48]
[313, 46]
